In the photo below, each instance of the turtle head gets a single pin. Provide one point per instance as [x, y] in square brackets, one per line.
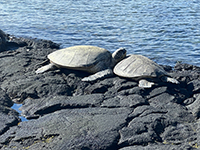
[118, 55]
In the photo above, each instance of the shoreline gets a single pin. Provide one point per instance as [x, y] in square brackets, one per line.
[113, 113]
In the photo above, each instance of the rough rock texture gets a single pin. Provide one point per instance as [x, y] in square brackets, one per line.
[113, 113]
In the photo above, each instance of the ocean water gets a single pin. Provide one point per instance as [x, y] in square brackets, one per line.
[166, 31]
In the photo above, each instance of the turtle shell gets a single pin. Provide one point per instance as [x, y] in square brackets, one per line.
[81, 57]
[138, 66]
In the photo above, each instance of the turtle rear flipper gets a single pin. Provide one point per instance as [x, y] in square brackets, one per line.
[169, 79]
[145, 84]
[99, 75]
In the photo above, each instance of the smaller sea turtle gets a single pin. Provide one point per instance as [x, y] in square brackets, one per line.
[92, 59]
[141, 68]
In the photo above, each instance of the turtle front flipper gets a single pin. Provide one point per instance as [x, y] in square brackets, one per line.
[45, 68]
[99, 75]
[145, 84]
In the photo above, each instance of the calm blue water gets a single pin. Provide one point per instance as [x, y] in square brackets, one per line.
[16, 107]
[163, 30]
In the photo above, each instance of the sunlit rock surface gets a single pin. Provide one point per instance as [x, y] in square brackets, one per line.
[113, 113]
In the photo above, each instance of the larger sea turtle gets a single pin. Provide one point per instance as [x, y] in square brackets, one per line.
[92, 59]
[141, 68]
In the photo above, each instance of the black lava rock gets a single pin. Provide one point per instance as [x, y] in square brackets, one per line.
[113, 113]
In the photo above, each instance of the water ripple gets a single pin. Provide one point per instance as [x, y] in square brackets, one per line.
[163, 30]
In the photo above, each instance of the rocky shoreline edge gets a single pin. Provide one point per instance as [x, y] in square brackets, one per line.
[110, 114]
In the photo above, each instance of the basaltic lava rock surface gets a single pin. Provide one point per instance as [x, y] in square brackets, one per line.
[65, 113]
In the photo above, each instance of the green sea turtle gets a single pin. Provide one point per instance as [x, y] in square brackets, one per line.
[143, 69]
[92, 59]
